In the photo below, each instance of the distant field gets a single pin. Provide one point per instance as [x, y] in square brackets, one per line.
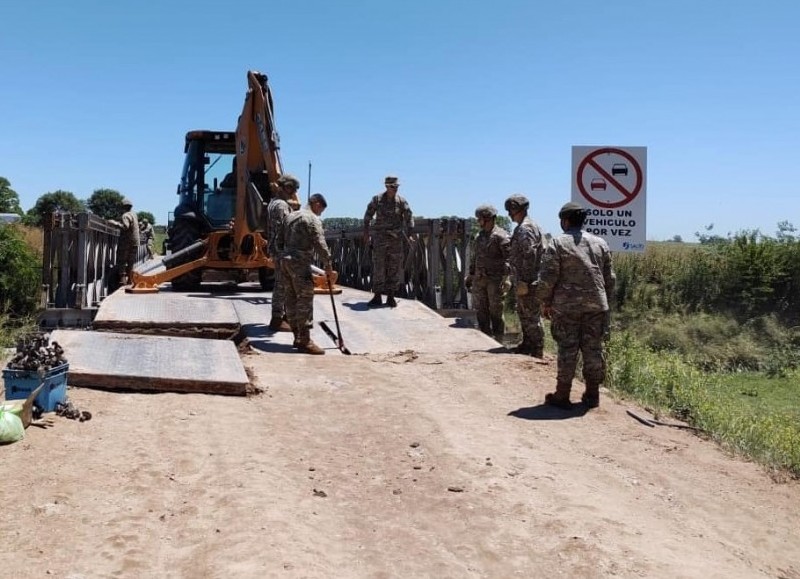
[764, 395]
[159, 242]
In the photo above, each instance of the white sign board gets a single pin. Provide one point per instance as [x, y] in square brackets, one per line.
[611, 182]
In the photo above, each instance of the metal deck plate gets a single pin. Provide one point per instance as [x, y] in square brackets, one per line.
[410, 326]
[168, 313]
[162, 363]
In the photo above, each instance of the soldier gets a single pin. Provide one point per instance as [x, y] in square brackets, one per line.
[302, 235]
[146, 233]
[488, 272]
[393, 225]
[277, 210]
[229, 181]
[575, 285]
[128, 242]
[527, 246]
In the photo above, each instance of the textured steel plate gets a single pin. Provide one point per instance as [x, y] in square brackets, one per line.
[162, 363]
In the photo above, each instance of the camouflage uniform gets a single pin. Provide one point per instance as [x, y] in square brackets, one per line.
[277, 211]
[527, 246]
[128, 243]
[575, 280]
[302, 236]
[149, 236]
[488, 271]
[393, 222]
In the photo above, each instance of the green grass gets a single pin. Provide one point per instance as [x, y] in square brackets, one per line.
[11, 329]
[750, 414]
[158, 241]
[766, 395]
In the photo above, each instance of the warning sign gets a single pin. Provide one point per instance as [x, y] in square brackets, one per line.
[611, 183]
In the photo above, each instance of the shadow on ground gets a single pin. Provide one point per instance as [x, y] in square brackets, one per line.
[357, 306]
[546, 412]
[260, 337]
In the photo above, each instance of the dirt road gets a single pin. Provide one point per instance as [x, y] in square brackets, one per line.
[392, 465]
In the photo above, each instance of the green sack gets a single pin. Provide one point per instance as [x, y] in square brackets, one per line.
[11, 429]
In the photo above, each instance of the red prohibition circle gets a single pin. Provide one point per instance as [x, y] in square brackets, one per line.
[628, 196]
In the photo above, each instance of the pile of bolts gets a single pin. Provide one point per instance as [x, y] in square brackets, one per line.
[35, 353]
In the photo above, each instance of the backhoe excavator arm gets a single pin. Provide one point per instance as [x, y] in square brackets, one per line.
[258, 168]
[258, 157]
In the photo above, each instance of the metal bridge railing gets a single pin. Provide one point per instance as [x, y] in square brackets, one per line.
[434, 266]
[79, 266]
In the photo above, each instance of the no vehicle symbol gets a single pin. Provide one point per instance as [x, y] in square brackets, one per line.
[609, 178]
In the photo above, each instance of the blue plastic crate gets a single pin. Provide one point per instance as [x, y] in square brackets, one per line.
[20, 383]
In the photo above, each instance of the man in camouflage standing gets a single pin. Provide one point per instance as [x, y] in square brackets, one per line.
[280, 206]
[302, 236]
[487, 276]
[393, 226]
[575, 285]
[527, 246]
[146, 233]
[128, 242]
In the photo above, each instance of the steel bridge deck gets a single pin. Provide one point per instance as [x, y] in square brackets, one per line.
[158, 341]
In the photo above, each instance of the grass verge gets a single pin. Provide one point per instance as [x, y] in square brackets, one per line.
[750, 414]
[11, 329]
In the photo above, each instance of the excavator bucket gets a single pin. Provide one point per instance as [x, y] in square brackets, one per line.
[321, 285]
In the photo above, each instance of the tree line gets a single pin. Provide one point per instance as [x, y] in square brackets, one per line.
[106, 203]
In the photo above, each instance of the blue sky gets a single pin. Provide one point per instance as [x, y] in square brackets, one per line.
[466, 101]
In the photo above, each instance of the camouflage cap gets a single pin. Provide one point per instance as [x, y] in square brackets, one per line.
[391, 180]
[126, 202]
[318, 198]
[485, 211]
[287, 180]
[570, 207]
[517, 202]
[144, 221]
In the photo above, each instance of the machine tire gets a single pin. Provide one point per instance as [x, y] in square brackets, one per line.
[184, 233]
[266, 277]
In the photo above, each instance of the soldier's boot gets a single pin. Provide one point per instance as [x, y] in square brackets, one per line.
[390, 301]
[307, 345]
[560, 398]
[591, 397]
[376, 301]
[278, 324]
[296, 343]
[524, 347]
[537, 351]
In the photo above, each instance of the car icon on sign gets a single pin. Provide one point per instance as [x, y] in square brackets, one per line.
[619, 169]
[598, 183]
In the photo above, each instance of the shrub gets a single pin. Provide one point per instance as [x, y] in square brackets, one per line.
[20, 273]
[745, 276]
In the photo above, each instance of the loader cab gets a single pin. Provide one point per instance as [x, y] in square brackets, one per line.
[205, 193]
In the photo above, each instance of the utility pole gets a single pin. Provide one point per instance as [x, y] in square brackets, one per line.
[309, 180]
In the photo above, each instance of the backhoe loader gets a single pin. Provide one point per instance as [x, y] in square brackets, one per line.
[227, 181]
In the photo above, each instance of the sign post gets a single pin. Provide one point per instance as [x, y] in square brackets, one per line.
[611, 182]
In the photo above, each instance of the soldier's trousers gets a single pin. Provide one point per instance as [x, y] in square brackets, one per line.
[299, 293]
[278, 294]
[487, 299]
[530, 319]
[584, 332]
[388, 261]
[127, 261]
